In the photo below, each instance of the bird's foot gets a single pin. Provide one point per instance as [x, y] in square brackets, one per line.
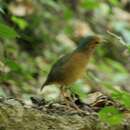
[71, 106]
[77, 109]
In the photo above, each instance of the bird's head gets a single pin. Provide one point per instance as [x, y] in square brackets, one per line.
[89, 42]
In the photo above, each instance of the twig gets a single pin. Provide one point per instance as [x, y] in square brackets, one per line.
[117, 37]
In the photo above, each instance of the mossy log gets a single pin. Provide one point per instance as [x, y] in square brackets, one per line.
[16, 116]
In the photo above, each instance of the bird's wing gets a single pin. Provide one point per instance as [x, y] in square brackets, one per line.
[61, 61]
[56, 70]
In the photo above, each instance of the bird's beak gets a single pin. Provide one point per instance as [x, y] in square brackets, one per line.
[102, 39]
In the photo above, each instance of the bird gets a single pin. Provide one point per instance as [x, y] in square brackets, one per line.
[72, 66]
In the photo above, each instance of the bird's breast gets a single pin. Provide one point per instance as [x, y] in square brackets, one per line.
[75, 67]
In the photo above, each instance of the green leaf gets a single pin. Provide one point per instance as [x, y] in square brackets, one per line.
[68, 14]
[123, 97]
[13, 65]
[90, 4]
[114, 2]
[2, 93]
[77, 89]
[7, 32]
[68, 30]
[110, 115]
[20, 22]
[128, 48]
[51, 3]
[1, 10]
[118, 67]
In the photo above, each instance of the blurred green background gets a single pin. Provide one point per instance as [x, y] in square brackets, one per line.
[33, 34]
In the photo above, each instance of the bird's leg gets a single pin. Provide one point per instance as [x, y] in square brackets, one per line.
[74, 105]
[69, 101]
[64, 96]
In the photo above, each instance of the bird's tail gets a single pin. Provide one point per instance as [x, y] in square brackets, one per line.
[43, 85]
